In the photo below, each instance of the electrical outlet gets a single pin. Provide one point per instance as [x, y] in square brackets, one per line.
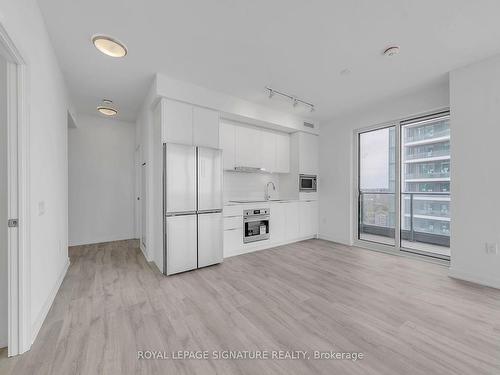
[491, 248]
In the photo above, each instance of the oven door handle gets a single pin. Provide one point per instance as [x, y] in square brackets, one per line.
[255, 218]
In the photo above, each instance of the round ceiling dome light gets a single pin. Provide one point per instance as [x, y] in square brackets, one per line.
[391, 51]
[109, 46]
[107, 111]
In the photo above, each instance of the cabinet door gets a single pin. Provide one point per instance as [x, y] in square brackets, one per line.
[181, 244]
[292, 221]
[282, 153]
[247, 147]
[178, 122]
[233, 241]
[308, 153]
[205, 127]
[227, 140]
[277, 224]
[308, 218]
[210, 249]
[268, 150]
[314, 218]
[305, 219]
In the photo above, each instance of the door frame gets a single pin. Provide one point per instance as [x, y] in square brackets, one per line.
[19, 332]
[397, 249]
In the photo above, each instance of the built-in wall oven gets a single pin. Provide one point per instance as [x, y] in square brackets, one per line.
[308, 183]
[255, 225]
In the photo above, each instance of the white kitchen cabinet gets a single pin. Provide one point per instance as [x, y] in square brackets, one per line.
[308, 212]
[177, 124]
[308, 153]
[205, 127]
[233, 241]
[267, 150]
[277, 224]
[282, 154]
[248, 147]
[292, 221]
[227, 139]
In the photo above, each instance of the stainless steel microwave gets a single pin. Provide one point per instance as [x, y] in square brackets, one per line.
[308, 183]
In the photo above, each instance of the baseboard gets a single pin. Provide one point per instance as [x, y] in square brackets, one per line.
[101, 240]
[247, 250]
[332, 239]
[35, 327]
[467, 276]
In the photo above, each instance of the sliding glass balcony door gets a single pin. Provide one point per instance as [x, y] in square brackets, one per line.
[403, 186]
[377, 184]
[425, 185]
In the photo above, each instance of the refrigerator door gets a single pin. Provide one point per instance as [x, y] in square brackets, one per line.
[209, 179]
[180, 178]
[210, 242]
[181, 246]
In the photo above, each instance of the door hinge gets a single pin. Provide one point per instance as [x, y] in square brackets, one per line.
[13, 223]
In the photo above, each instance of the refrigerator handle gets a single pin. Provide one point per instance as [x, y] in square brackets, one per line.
[209, 212]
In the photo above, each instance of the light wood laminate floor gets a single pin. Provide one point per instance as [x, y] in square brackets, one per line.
[404, 315]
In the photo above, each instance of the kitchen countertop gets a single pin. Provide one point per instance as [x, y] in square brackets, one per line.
[245, 202]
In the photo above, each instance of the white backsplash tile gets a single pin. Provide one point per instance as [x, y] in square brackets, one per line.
[247, 186]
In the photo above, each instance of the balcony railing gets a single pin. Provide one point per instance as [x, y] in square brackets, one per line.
[424, 175]
[426, 135]
[414, 218]
[428, 154]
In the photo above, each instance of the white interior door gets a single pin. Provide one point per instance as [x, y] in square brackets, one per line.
[181, 251]
[180, 182]
[209, 179]
[210, 239]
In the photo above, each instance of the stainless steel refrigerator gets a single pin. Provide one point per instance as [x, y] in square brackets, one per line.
[192, 207]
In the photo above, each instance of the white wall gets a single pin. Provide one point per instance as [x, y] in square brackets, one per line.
[3, 206]
[336, 154]
[47, 103]
[475, 174]
[101, 180]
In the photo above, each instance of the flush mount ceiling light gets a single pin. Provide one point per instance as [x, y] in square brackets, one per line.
[391, 51]
[106, 109]
[109, 46]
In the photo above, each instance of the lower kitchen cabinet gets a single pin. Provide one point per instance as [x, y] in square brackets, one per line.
[292, 221]
[233, 241]
[308, 212]
[277, 224]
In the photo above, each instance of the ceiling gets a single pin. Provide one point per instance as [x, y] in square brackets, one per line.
[240, 46]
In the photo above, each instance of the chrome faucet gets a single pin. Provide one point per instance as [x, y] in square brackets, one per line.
[268, 196]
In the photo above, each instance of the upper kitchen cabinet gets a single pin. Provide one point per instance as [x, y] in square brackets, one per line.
[190, 125]
[205, 127]
[177, 124]
[227, 134]
[308, 153]
[247, 147]
[282, 164]
[267, 151]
